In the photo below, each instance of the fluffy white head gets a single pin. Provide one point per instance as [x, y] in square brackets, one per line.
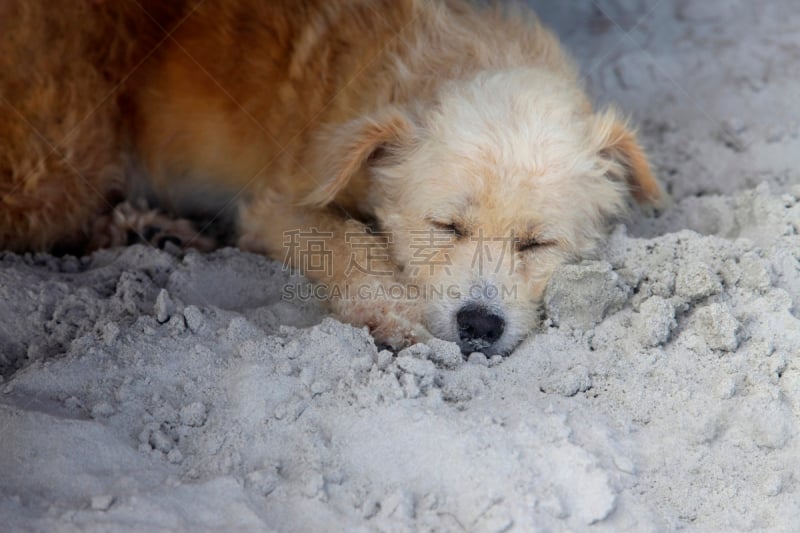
[520, 173]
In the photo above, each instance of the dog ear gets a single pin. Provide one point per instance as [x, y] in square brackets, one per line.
[344, 151]
[628, 163]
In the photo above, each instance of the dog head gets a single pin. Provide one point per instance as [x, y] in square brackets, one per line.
[488, 190]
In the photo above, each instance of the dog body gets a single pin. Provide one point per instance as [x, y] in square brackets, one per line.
[383, 124]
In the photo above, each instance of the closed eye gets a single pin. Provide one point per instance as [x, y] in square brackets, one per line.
[526, 245]
[450, 227]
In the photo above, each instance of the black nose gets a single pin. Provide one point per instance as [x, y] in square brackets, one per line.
[479, 327]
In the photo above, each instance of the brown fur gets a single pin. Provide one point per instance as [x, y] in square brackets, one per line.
[313, 114]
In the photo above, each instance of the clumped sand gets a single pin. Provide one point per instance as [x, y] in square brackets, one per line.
[145, 391]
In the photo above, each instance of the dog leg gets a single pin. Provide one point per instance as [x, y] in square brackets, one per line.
[49, 194]
[340, 254]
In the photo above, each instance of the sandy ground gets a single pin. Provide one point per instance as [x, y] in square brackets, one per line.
[147, 392]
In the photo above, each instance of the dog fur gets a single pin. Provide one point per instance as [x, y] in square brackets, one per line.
[368, 117]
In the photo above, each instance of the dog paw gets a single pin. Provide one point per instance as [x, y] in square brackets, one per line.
[127, 225]
[393, 323]
[398, 336]
[398, 333]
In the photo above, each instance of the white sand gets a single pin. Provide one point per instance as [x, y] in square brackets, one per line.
[663, 391]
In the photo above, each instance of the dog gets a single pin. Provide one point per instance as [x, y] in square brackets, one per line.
[440, 157]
